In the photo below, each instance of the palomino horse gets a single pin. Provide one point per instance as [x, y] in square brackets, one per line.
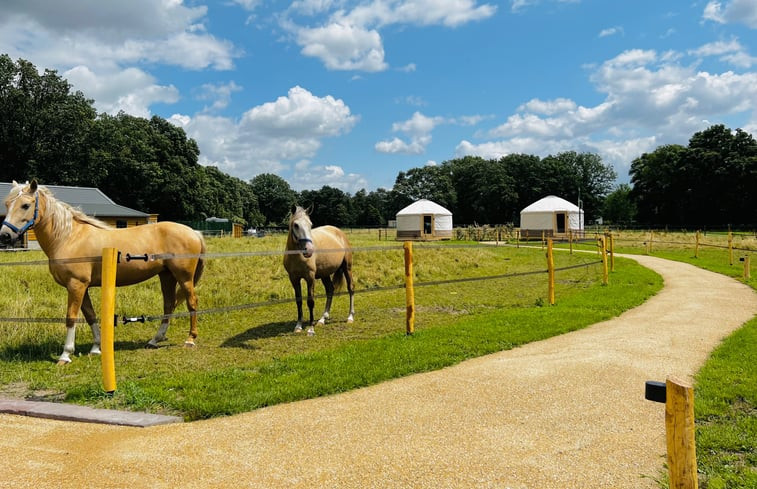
[323, 253]
[68, 237]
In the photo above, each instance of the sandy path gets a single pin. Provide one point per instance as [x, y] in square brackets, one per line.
[567, 412]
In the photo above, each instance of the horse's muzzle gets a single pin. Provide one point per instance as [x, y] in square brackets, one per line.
[6, 238]
[307, 248]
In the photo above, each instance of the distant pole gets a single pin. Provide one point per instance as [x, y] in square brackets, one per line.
[107, 311]
[551, 272]
[570, 240]
[730, 247]
[409, 292]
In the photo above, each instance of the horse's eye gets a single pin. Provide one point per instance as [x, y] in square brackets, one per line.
[25, 207]
[296, 226]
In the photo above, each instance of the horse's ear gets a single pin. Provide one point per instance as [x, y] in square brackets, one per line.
[310, 209]
[294, 209]
[33, 186]
[15, 183]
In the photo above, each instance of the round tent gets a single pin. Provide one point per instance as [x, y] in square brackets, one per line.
[424, 220]
[552, 216]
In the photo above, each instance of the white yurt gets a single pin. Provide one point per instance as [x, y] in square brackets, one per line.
[552, 216]
[424, 220]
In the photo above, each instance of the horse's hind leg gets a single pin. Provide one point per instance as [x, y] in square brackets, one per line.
[311, 303]
[168, 288]
[188, 289]
[350, 289]
[329, 285]
[91, 317]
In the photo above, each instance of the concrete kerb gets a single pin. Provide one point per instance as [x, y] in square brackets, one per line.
[84, 414]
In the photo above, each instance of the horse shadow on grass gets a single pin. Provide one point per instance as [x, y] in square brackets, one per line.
[36, 352]
[246, 339]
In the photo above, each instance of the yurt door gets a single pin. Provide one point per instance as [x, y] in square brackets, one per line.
[428, 228]
[560, 218]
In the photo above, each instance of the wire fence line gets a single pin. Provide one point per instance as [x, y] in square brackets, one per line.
[239, 307]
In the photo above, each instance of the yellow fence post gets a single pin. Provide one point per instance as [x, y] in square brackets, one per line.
[649, 243]
[679, 431]
[603, 245]
[551, 272]
[409, 292]
[107, 311]
[570, 240]
[696, 248]
[730, 248]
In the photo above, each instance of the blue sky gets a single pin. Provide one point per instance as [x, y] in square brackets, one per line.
[349, 93]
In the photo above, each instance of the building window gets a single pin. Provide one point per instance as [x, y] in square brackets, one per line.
[120, 223]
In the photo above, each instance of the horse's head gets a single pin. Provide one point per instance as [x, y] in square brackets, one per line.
[22, 205]
[299, 231]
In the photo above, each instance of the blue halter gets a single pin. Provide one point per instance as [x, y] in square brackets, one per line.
[29, 224]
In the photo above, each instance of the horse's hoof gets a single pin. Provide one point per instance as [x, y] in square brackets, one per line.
[350, 320]
[311, 331]
[63, 362]
[151, 346]
[189, 344]
[298, 329]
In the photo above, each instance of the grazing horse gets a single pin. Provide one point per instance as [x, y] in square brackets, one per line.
[69, 237]
[324, 253]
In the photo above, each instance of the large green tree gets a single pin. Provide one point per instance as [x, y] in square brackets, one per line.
[43, 125]
[710, 182]
[275, 197]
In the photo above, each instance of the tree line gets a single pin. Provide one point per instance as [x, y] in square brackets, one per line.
[55, 135]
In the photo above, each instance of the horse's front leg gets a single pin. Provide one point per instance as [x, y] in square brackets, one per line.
[297, 285]
[311, 304]
[91, 317]
[76, 291]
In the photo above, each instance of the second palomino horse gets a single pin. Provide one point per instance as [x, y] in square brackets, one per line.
[317, 253]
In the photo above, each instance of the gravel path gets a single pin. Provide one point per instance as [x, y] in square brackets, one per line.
[567, 412]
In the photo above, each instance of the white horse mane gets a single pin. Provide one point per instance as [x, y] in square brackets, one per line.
[63, 215]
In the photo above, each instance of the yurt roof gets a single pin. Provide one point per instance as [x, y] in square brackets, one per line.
[424, 206]
[551, 203]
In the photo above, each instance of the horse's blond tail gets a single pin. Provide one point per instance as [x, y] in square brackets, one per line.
[338, 278]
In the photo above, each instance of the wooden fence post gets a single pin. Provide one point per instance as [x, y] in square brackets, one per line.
[679, 431]
[409, 292]
[603, 245]
[747, 270]
[730, 247]
[696, 248]
[550, 273]
[107, 312]
[612, 252]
